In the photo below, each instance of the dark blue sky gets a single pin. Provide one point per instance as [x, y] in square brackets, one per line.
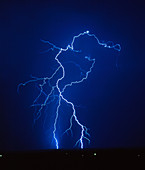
[114, 97]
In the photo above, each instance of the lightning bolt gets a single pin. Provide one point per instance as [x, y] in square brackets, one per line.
[51, 96]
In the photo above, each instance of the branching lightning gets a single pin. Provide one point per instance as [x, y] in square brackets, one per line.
[51, 96]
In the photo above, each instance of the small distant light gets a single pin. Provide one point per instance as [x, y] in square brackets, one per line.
[95, 154]
[1, 156]
[87, 32]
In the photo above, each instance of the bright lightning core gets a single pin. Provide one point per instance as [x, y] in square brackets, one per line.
[57, 93]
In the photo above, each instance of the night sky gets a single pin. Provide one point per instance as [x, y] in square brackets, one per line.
[113, 97]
